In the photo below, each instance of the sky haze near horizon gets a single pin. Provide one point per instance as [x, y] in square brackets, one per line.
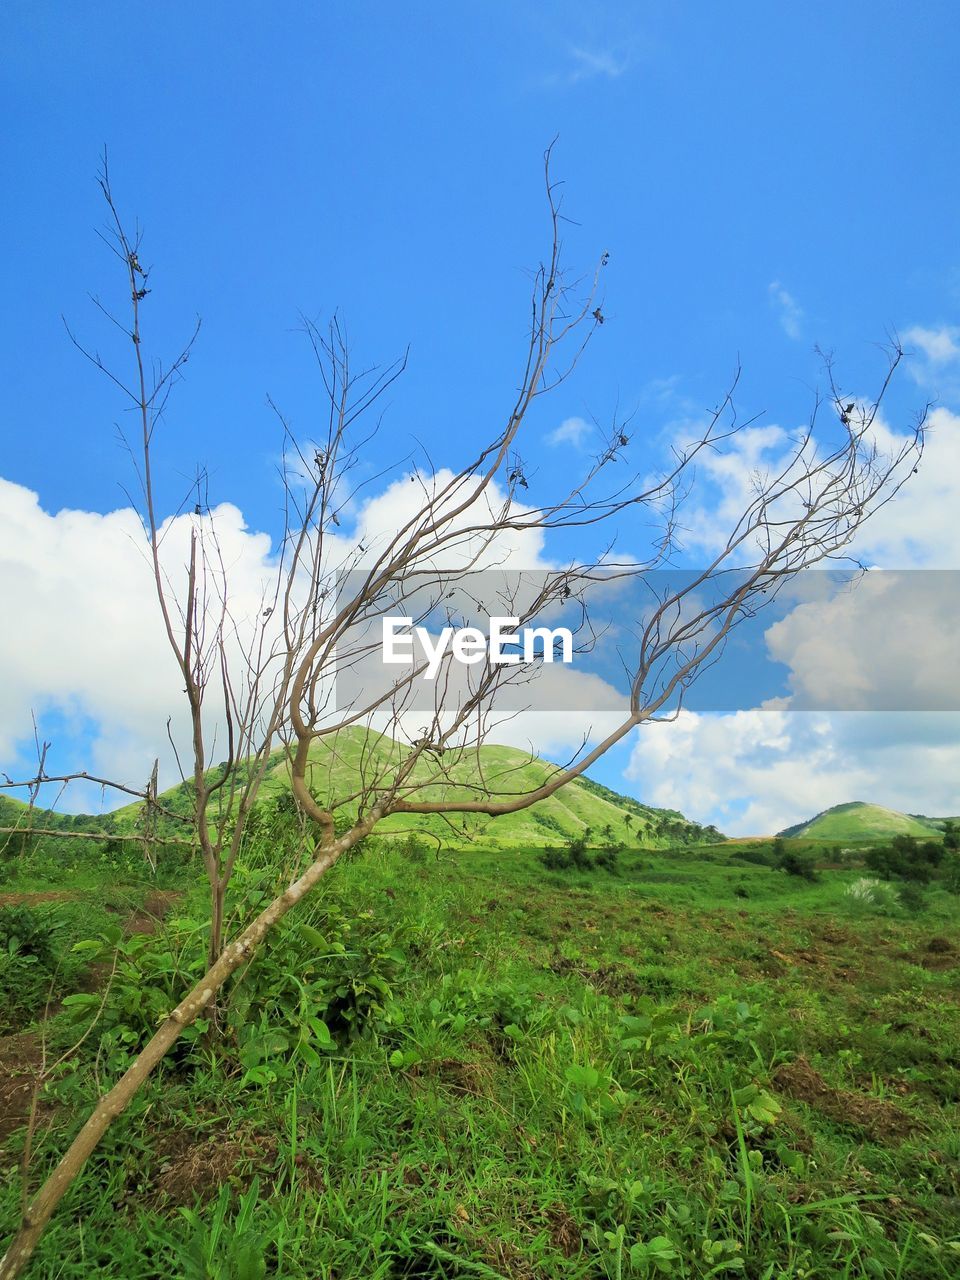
[764, 179]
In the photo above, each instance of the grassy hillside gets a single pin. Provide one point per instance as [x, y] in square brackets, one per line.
[696, 1068]
[859, 821]
[337, 762]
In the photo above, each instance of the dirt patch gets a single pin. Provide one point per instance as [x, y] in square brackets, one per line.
[877, 1118]
[610, 979]
[465, 1077]
[193, 1168]
[836, 935]
[939, 953]
[940, 946]
[565, 1234]
[149, 917]
[20, 1058]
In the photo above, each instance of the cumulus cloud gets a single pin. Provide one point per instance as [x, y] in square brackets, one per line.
[756, 772]
[87, 646]
[893, 638]
[883, 642]
[87, 653]
[726, 484]
[933, 359]
[940, 346]
[919, 530]
[381, 515]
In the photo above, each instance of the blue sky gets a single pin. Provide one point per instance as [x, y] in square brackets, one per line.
[765, 178]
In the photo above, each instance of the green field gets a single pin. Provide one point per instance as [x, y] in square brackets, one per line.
[469, 1066]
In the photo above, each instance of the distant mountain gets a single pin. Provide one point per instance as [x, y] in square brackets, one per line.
[337, 763]
[860, 821]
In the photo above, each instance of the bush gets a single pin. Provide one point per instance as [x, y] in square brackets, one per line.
[906, 858]
[413, 848]
[324, 980]
[798, 864]
[29, 965]
[912, 896]
[606, 859]
[757, 855]
[25, 931]
[575, 856]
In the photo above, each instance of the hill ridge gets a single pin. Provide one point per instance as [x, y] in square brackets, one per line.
[863, 820]
[335, 763]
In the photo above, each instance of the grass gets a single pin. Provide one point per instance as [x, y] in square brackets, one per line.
[858, 821]
[695, 1067]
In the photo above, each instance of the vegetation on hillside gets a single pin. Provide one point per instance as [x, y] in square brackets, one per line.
[335, 762]
[859, 821]
[689, 1064]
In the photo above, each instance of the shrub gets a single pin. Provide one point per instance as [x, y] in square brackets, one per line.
[606, 859]
[912, 896]
[574, 856]
[413, 848]
[798, 864]
[906, 858]
[25, 931]
[757, 855]
[29, 964]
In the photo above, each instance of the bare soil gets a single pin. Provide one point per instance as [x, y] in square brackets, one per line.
[877, 1118]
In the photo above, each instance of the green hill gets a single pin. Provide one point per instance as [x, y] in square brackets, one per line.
[860, 821]
[338, 762]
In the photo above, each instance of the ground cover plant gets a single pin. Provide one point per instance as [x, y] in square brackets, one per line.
[689, 1063]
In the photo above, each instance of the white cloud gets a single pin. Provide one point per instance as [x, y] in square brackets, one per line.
[88, 653]
[726, 482]
[919, 529]
[940, 346]
[381, 516]
[571, 431]
[887, 641]
[583, 65]
[933, 360]
[756, 772]
[789, 312]
[88, 646]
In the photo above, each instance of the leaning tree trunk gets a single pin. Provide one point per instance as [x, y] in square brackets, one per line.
[116, 1101]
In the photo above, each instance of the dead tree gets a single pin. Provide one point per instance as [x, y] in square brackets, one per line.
[268, 685]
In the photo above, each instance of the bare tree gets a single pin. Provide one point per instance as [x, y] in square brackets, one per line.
[269, 684]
